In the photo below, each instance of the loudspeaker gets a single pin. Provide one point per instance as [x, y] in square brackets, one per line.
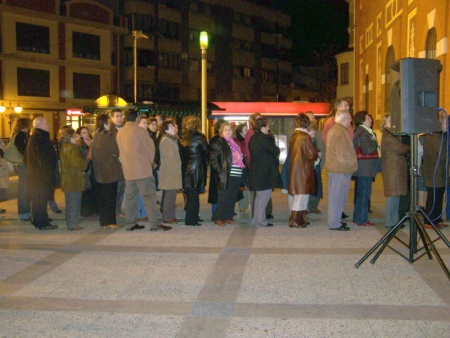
[414, 87]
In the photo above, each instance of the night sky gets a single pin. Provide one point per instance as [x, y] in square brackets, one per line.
[316, 26]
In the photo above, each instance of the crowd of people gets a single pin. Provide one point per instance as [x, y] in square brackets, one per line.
[123, 166]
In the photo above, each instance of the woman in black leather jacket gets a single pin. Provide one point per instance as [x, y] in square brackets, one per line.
[227, 159]
[194, 158]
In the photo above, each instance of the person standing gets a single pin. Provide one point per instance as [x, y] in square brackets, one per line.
[20, 135]
[213, 190]
[302, 155]
[107, 171]
[367, 143]
[137, 152]
[89, 195]
[240, 132]
[73, 175]
[435, 172]
[264, 175]
[194, 158]
[116, 124]
[228, 162]
[40, 160]
[316, 136]
[394, 170]
[340, 163]
[170, 169]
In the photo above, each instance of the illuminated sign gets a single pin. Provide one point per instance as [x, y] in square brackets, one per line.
[74, 112]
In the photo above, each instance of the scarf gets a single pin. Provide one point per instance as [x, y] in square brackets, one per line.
[370, 131]
[236, 154]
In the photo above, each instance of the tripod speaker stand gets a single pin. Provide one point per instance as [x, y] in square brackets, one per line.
[416, 226]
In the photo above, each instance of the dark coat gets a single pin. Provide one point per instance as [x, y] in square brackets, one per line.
[301, 166]
[40, 159]
[105, 158]
[394, 165]
[433, 153]
[220, 160]
[21, 141]
[194, 159]
[366, 168]
[264, 174]
[213, 193]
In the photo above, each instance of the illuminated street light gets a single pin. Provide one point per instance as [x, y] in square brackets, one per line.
[137, 35]
[204, 84]
[13, 112]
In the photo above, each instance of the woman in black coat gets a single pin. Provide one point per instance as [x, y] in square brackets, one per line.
[194, 158]
[264, 175]
[366, 140]
[227, 160]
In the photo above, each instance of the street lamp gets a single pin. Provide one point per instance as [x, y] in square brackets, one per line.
[17, 110]
[204, 48]
[137, 35]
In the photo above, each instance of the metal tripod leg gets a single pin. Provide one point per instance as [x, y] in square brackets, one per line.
[428, 242]
[383, 241]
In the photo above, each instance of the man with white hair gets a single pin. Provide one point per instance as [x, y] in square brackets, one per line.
[340, 164]
[40, 159]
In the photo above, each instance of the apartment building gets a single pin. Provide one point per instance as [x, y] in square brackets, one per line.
[248, 53]
[57, 57]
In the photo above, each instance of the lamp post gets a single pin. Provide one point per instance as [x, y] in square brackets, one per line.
[17, 110]
[204, 85]
[136, 35]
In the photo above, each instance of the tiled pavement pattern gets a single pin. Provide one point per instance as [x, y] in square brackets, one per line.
[211, 281]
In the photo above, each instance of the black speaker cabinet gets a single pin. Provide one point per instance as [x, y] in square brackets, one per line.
[414, 87]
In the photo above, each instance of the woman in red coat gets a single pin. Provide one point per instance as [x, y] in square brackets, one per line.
[301, 170]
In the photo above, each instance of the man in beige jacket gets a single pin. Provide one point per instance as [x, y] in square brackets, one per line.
[340, 164]
[137, 152]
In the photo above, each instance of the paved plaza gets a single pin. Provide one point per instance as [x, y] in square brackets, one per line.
[211, 281]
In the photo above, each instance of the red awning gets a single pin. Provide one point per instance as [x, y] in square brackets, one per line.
[279, 109]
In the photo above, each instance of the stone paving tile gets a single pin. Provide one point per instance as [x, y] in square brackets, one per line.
[109, 275]
[12, 262]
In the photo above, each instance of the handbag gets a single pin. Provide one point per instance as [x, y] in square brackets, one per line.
[12, 153]
[361, 156]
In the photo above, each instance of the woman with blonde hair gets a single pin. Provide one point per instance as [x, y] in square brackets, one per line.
[394, 170]
[73, 168]
[20, 134]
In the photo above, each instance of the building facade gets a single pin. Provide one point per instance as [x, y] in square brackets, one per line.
[248, 53]
[384, 31]
[57, 56]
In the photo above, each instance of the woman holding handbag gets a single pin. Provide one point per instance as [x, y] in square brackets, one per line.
[368, 156]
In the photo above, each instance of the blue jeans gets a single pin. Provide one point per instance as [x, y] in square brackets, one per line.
[362, 192]
[23, 203]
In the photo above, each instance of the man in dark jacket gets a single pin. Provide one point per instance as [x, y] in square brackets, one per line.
[40, 159]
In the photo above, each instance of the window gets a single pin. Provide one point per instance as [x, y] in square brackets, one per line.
[86, 46]
[169, 29]
[86, 86]
[430, 48]
[33, 82]
[345, 69]
[268, 76]
[169, 60]
[32, 38]
[390, 58]
[246, 72]
[144, 57]
[145, 23]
